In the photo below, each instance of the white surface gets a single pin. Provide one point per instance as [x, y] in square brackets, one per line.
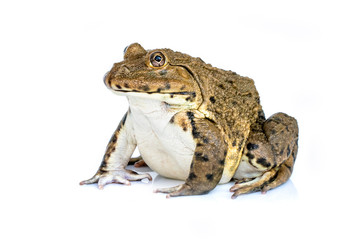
[57, 116]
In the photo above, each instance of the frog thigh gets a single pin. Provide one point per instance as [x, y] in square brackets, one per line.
[208, 159]
[268, 156]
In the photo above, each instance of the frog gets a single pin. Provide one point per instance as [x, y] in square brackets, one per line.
[197, 123]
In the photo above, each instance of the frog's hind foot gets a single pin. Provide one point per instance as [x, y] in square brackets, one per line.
[269, 180]
[123, 176]
[283, 174]
[269, 155]
[253, 185]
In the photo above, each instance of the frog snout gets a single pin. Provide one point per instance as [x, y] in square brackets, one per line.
[105, 78]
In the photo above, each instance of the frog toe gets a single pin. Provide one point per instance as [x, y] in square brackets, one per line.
[244, 187]
[117, 176]
[180, 190]
[167, 190]
[104, 180]
[254, 185]
[93, 179]
[138, 162]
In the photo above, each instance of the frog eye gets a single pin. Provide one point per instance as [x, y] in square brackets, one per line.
[157, 59]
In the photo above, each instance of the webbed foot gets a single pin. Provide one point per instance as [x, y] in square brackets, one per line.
[123, 176]
[254, 185]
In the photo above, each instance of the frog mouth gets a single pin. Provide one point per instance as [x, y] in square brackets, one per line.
[193, 94]
[173, 98]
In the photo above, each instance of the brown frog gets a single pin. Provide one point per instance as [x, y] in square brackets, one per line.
[194, 122]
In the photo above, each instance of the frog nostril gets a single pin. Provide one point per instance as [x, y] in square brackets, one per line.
[124, 69]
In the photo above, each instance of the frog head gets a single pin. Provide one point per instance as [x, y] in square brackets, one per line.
[159, 74]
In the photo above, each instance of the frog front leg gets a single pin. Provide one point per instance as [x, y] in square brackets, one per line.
[207, 162]
[118, 152]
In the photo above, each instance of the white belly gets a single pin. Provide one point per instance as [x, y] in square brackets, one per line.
[165, 147]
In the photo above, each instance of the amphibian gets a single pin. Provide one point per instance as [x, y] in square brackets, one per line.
[197, 123]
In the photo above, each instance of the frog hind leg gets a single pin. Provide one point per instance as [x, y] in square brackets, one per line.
[268, 157]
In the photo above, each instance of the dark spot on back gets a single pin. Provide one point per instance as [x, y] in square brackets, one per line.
[205, 140]
[118, 86]
[212, 99]
[126, 85]
[222, 162]
[159, 89]
[182, 87]
[167, 86]
[221, 86]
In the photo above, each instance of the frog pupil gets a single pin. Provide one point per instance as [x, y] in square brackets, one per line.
[158, 58]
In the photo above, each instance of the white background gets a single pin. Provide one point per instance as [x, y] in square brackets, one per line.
[57, 116]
